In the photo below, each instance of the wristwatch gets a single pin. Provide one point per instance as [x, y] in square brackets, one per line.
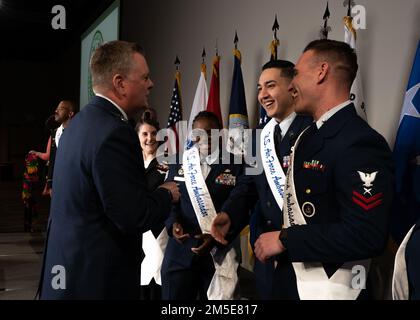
[283, 237]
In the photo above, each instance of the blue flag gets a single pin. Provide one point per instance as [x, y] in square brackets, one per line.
[238, 114]
[407, 158]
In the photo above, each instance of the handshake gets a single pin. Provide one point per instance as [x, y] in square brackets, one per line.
[219, 230]
[173, 189]
[267, 245]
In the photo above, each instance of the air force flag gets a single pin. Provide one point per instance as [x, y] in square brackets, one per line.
[407, 157]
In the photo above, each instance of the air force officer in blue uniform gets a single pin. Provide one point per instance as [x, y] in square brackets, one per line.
[100, 205]
[187, 267]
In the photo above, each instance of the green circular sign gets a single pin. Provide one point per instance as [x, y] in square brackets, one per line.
[96, 42]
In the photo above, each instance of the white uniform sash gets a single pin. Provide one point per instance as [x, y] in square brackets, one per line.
[154, 250]
[312, 280]
[271, 164]
[225, 278]
[400, 288]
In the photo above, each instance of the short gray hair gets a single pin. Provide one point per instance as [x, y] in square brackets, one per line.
[111, 58]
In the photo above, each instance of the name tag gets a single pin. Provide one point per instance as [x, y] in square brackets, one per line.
[179, 179]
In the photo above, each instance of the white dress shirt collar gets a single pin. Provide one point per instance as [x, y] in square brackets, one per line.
[330, 113]
[58, 134]
[116, 105]
[286, 123]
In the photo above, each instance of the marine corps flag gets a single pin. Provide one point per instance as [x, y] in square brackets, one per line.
[407, 158]
[201, 95]
[356, 92]
[238, 114]
[175, 114]
[213, 104]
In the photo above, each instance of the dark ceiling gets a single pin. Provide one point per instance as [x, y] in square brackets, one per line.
[26, 32]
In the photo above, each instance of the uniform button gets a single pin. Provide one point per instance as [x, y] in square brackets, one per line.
[308, 191]
[268, 204]
[268, 222]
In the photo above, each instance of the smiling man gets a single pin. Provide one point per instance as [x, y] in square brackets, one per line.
[100, 204]
[276, 139]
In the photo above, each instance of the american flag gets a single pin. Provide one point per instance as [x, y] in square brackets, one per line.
[175, 115]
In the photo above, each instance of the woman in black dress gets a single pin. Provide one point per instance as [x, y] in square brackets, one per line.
[147, 128]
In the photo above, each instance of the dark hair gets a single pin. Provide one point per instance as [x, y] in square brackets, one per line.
[111, 58]
[286, 67]
[147, 116]
[208, 116]
[70, 105]
[341, 56]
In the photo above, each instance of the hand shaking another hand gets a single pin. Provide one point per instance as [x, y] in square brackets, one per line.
[173, 188]
[220, 227]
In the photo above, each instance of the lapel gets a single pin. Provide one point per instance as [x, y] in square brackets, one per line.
[310, 145]
[289, 139]
[297, 126]
[215, 170]
[152, 165]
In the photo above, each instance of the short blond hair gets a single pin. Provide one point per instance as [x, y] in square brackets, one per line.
[112, 58]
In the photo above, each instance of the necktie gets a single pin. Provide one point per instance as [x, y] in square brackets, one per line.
[312, 129]
[277, 140]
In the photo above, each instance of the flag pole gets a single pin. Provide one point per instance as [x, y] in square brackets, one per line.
[203, 63]
[326, 29]
[275, 42]
[236, 40]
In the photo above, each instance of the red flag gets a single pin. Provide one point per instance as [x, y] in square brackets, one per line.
[213, 103]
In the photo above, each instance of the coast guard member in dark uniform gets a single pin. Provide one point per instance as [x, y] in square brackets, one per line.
[273, 95]
[187, 267]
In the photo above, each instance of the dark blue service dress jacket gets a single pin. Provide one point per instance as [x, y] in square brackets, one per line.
[99, 209]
